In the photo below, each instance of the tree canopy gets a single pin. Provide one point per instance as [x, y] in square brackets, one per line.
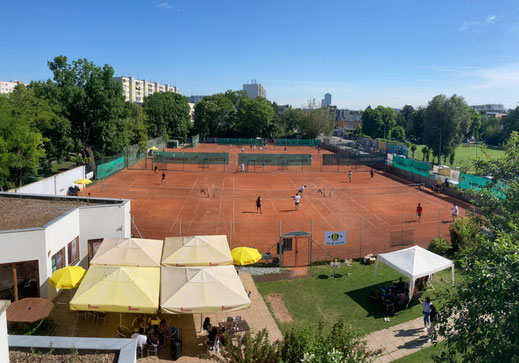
[484, 307]
[167, 115]
[448, 117]
[378, 122]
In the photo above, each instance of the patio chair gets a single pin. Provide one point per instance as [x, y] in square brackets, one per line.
[389, 304]
[237, 319]
[210, 345]
[153, 350]
[83, 314]
[91, 314]
[230, 319]
[101, 316]
[140, 351]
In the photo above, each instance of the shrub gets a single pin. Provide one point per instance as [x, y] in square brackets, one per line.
[440, 246]
[464, 233]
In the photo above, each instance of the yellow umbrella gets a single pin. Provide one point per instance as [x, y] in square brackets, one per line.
[68, 277]
[83, 181]
[123, 289]
[154, 148]
[245, 255]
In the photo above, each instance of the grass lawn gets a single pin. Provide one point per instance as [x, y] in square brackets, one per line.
[322, 298]
[464, 154]
[425, 354]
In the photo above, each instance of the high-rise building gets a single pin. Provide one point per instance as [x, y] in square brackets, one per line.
[8, 87]
[195, 99]
[254, 89]
[134, 90]
[327, 101]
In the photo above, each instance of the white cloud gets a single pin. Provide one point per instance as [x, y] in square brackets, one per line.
[488, 21]
[164, 6]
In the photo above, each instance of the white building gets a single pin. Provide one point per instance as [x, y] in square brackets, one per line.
[255, 90]
[8, 87]
[134, 90]
[40, 234]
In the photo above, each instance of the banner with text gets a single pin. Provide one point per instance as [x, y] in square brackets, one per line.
[414, 166]
[275, 159]
[334, 238]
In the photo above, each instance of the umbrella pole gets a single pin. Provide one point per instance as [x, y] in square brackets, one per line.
[201, 326]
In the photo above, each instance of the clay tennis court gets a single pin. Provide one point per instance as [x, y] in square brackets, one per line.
[377, 214]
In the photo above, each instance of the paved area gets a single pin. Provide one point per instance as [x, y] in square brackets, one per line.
[193, 341]
[399, 340]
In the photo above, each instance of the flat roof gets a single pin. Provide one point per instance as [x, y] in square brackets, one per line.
[21, 211]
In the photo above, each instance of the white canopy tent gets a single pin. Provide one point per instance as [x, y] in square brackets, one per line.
[415, 262]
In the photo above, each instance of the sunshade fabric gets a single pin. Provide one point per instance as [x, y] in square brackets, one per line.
[119, 289]
[415, 262]
[68, 277]
[245, 255]
[196, 251]
[190, 290]
[129, 252]
[83, 181]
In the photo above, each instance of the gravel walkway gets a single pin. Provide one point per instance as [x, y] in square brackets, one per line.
[256, 271]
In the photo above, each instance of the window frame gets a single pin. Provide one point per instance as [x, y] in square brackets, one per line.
[69, 251]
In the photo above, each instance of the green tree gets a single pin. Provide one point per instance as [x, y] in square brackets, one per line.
[511, 123]
[475, 124]
[405, 118]
[484, 307]
[397, 133]
[416, 134]
[491, 130]
[255, 116]
[413, 150]
[167, 115]
[135, 126]
[91, 100]
[212, 115]
[314, 122]
[290, 119]
[21, 145]
[448, 117]
[378, 122]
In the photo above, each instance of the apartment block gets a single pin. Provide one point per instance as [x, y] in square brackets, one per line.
[135, 90]
[8, 87]
[254, 90]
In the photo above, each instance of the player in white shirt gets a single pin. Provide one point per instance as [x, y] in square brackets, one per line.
[454, 211]
[297, 199]
[301, 190]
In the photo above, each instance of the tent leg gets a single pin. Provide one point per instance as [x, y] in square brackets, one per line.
[376, 267]
[452, 273]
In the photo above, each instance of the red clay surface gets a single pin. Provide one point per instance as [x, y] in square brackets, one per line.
[377, 214]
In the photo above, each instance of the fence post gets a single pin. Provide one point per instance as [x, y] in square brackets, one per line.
[403, 220]
[311, 238]
[439, 222]
[230, 234]
[361, 233]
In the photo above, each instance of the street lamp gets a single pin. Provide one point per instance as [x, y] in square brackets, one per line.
[440, 151]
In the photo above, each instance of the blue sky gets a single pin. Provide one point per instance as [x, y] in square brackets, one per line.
[363, 53]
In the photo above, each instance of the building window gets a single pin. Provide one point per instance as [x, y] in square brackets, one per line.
[27, 280]
[58, 260]
[93, 245]
[73, 251]
[287, 244]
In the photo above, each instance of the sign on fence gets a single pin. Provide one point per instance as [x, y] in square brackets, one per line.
[334, 238]
[469, 181]
[275, 159]
[414, 166]
[110, 168]
[190, 158]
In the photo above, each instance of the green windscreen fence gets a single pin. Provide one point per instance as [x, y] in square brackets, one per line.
[475, 182]
[275, 159]
[111, 167]
[413, 166]
[350, 159]
[296, 142]
[238, 141]
[190, 158]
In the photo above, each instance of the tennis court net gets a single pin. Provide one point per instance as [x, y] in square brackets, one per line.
[396, 189]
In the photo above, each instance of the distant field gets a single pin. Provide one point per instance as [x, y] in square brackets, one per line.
[464, 155]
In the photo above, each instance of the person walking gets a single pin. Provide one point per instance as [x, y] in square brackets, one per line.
[426, 310]
[455, 211]
[243, 168]
[163, 178]
[433, 317]
[301, 189]
[318, 149]
[419, 212]
[242, 149]
[350, 175]
[297, 200]
[258, 205]
[372, 173]
[156, 169]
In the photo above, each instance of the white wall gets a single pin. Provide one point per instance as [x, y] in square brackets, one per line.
[57, 235]
[54, 185]
[4, 342]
